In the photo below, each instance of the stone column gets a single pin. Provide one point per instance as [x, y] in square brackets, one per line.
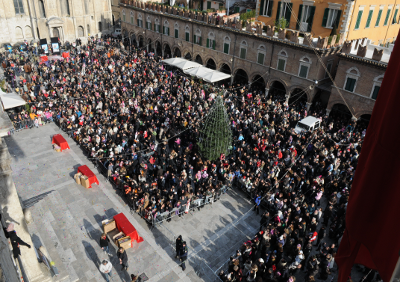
[266, 92]
[328, 112]
[12, 212]
[308, 105]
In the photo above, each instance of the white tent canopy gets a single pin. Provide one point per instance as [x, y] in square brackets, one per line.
[11, 100]
[215, 76]
[198, 72]
[181, 63]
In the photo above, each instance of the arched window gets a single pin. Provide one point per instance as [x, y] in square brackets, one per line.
[227, 44]
[42, 11]
[282, 59]
[187, 33]
[140, 20]
[261, 52]
[197, 36]
[376, 87]
[352, 76]
[243, 49]
[81, 32]
[18, 33]
[211, 40]
[132, 19]
[65, 7]
[157, 25]
[28, 32]
[123, 16]
[148, 23]
[176, 28]
[304, 68]
[166, 28]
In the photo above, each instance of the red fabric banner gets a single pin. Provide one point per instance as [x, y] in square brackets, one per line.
[372, 234]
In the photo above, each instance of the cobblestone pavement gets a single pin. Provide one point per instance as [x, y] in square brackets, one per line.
[67, 218]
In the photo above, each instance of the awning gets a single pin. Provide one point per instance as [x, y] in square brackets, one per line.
[183, 64]
[198, 72]
[11, 100]
[215, 76]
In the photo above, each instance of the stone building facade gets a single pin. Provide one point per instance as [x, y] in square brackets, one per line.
[358, 80]
[272, 60]
[67, 19]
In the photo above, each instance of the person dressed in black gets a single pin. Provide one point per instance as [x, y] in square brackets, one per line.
[183, 253]
[178, 245]
[123, 258]
[104, 244]
[15, 240]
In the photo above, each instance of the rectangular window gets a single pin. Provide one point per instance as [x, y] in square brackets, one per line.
[226, 48]
[394, 21]
[281, 64]
[187, 37]
[331, 18]
[237, 10]
[19, 7]
[387, 16]
[350, 84]
[303, 71]
[306, 15]
[243, 53]
[329, 68]
[358, 19]
[131, 20]
[123, 18]
[266, 7]
[176, 33]
[157, 28]
[370, 13]
[260, 58]
[378, 19]
[208, 5]
[375, 92]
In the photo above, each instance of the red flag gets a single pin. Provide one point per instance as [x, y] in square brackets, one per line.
[372, 231]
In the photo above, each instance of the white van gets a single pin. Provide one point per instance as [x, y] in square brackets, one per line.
[309, 123]
[117, 32]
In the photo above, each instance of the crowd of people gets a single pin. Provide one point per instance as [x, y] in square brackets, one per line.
[141, 121]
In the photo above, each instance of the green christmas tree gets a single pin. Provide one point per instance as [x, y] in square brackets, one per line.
[216, 134]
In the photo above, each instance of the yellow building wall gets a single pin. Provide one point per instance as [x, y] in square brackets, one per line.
[380, 33]
[317, 28]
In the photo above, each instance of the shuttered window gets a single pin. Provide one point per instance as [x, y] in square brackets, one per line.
[226, 48]
[260, 58]
[359, 16]
[378, 19]
[281, 64]
[370, 13]
[243, 53]
[350, 84]
[387, 16]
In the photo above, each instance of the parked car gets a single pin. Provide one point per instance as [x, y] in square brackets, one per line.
[116, 33]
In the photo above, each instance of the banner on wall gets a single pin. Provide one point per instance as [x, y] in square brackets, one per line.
[56, 48]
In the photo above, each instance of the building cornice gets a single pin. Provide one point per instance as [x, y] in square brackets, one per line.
[365, 61]
[272, 40]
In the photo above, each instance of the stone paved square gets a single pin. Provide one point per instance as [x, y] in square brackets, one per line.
[67, 219]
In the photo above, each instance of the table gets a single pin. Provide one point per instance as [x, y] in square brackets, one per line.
[60, 141]
[123, 225]
[87, 172]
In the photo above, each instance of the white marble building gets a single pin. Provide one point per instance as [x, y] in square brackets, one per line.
[67, 19]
